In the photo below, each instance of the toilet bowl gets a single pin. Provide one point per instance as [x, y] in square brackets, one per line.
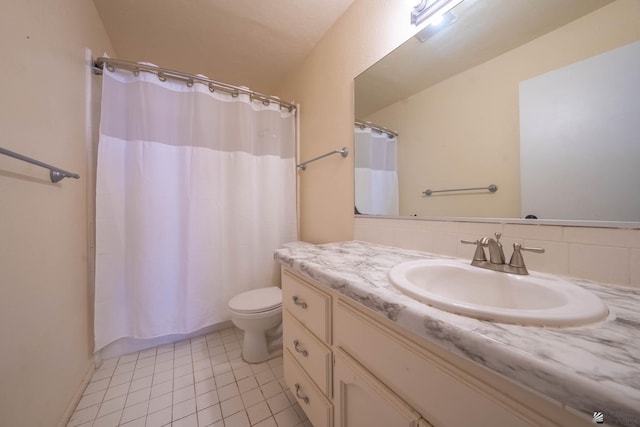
[259, 314]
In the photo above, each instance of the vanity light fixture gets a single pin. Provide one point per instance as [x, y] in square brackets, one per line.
[437, 25]
[432, 10]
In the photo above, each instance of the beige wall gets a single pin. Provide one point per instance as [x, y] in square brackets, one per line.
[323, 85]
[464, 131]
[45, 313]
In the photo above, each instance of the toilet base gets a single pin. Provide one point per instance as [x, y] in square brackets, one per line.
[272, 355]
[256, 348]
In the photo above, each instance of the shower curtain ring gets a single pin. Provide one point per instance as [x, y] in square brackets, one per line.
[161, 76]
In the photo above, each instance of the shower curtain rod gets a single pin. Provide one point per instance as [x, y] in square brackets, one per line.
[379, 129]
[164, 73]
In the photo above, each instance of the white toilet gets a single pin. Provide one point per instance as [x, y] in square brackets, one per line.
[259, 314]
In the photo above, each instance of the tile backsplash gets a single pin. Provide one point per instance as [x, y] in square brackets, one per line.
[606, 255]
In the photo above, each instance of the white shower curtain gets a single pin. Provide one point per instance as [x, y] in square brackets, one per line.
[194, 192]
[376, 173]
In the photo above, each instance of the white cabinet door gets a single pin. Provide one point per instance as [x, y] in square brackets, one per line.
[361, 400]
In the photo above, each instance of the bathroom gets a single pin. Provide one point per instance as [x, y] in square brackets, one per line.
[46, 304]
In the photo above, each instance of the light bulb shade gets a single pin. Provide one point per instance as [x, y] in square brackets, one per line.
[427, 9]
[445, 20]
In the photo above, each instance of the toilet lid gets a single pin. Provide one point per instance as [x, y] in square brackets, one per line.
[256, 301]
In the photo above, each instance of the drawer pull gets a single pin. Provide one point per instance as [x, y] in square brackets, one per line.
[296, 343]
[304, 398]
[298, 301]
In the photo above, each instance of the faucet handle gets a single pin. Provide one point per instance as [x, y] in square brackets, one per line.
[536, 250]
[469, 242]
[479, 254]
[516, 258]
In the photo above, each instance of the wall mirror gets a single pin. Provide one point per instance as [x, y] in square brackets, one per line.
[538, 98]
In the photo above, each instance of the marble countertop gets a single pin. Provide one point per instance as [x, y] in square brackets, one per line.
[589, 368]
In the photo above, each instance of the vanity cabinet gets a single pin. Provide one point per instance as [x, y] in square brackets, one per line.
[362, 369]
[312, 365]
[307, 356]
[315, 404]
[434, 387]
[362, 400]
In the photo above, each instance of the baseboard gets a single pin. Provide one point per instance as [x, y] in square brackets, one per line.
[66, 416]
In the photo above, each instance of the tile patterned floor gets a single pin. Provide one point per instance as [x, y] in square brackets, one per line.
[199, 382]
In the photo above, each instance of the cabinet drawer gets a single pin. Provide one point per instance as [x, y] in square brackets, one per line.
[430, 385]
[311, 354]
[308, 305]
[317, 408]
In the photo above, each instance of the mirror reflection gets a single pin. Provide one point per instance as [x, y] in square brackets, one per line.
[536, 97]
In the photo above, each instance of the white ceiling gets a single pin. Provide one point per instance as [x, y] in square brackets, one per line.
[253, 43]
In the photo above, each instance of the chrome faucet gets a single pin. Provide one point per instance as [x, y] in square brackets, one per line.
[496, 260]
[496, 252]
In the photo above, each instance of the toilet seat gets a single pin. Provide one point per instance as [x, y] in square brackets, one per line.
[257, 301]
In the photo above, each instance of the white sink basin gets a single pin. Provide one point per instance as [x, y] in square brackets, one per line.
[535, 299]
